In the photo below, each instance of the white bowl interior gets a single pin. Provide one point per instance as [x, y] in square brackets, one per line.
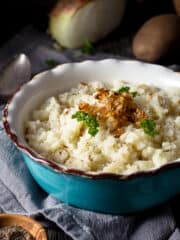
[69, 75]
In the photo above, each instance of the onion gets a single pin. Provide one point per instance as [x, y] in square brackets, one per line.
[72, 22]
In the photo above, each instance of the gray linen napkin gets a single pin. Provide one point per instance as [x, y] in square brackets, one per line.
[19, 193]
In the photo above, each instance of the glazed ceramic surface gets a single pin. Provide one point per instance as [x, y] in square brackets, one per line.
[109, 193]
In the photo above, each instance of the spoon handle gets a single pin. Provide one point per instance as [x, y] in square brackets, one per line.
[13, 75]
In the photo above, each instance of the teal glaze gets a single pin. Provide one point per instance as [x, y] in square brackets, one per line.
[107, 195]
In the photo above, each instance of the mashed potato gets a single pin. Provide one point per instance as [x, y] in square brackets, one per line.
[120, 144]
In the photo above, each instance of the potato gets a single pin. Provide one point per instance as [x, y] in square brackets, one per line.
[177, 6]
[72, 22]
[157, 37]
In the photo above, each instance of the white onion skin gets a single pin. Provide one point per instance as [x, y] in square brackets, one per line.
[71, 23]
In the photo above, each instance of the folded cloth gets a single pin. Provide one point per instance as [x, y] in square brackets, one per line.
[19, 193]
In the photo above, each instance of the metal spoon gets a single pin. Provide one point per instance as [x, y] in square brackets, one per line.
[15, 73]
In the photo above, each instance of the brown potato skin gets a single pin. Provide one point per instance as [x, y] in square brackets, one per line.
[157, 37]
[177, 6]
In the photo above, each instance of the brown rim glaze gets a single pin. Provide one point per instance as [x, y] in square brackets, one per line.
[29, 224]
[72, 171]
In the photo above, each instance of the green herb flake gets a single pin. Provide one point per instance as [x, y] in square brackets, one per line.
[51, 63]
[89, 120]
[127, 89]
[124, 89]
[93, 131]
[88, 48]
[134, 94]
[149, 126]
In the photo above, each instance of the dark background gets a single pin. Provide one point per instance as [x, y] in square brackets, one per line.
[14, 15]
[17, 14]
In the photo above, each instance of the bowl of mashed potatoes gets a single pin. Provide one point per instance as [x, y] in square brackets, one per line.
[101, 135]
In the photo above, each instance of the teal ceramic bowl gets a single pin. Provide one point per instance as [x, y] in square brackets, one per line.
[107, 193]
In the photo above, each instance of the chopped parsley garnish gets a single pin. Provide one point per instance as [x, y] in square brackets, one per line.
[89, 120]
[51, 63]
[126, 89]
[88, 48]
[134, 94]
[149, 126]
